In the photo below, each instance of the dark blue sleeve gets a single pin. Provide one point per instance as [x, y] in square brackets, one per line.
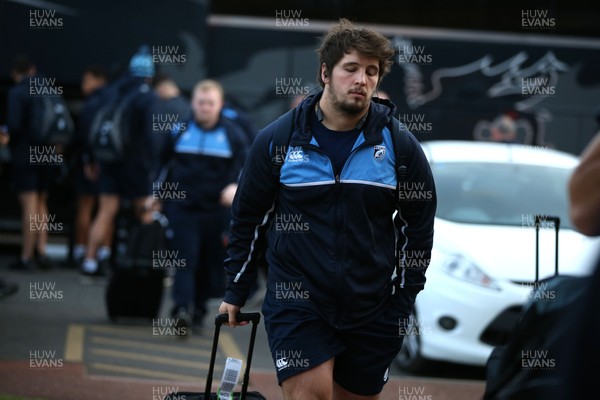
[86, 120]
[251, 209]
[16, 109]
[156, 140]
[416, 204]
[240, 151]
[149, 143]
[247, 127]
[242, 120]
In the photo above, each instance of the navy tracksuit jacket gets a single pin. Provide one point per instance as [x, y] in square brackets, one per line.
[346, 259]
[204, 163]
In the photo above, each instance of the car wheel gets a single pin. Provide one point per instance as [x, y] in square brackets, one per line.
[409, 358]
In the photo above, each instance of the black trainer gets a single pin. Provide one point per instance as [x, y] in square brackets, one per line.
[44, 262]
[7, 288]
[26, 266]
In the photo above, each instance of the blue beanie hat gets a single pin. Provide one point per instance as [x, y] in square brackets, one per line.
[141, 63]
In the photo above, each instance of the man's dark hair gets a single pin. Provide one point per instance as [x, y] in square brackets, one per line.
[344, 37]
[161, 77]
[21, 64]
[97, 71]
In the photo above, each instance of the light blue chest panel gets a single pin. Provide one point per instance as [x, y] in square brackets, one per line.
[366, 165]
[198, 141]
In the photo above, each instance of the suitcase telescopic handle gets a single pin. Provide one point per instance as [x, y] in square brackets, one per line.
[254, 317]
[221, 319]
[556, 221]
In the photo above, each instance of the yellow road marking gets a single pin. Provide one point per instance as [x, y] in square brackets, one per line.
[229, 347]
[74, 343]
[144, 372]
[75, 346]
[148, 346]
[145, 332]
[154, 359]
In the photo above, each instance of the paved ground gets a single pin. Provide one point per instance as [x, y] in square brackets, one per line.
[56, 342]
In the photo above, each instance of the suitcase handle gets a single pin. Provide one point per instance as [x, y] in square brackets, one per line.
[220, 319]
[538, 219]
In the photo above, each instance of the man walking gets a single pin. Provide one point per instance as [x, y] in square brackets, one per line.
[128, 175]
[343, 274]
[206, 159]
[31, 181]
[93, 87]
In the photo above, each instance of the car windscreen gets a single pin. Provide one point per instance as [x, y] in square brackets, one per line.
[501, 193]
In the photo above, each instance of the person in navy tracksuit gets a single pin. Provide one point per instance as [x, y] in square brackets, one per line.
[93, 86]
[131, 174]
[206, 160]
[30, 180]
[343, 274]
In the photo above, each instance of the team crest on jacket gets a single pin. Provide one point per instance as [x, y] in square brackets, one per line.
[379, 152]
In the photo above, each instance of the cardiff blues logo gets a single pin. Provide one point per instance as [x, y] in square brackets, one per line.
[379, 152]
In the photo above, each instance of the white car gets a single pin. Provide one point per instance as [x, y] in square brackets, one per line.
[483, 261]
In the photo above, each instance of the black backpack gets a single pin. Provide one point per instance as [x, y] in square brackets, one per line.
[110, 133]
[51, 121]
[530, 366]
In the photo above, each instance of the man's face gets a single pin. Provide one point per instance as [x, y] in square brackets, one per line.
[89, 83]
[165, 90]
[207, 105]
[352, 83]
[503, 130]
[19, 76]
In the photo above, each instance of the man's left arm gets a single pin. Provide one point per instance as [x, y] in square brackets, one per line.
[416, 205]
[150, 138]
[15, 113]
[239, 148]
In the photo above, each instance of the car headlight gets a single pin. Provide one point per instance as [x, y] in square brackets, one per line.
[461, 268]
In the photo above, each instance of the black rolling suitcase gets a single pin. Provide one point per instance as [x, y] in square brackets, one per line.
[526, 368]
[135, 286]
[241, 395]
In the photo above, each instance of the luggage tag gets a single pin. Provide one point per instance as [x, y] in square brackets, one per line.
[231, 375]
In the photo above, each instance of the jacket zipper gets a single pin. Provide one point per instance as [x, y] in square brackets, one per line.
[339, 237]
[340, 251]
